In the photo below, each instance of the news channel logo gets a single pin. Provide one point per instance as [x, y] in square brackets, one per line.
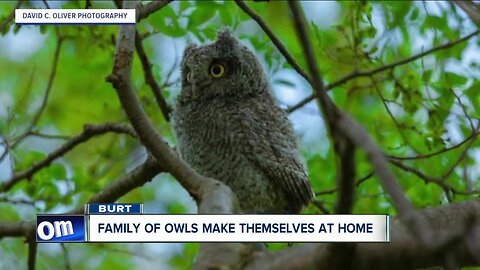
[60, 228]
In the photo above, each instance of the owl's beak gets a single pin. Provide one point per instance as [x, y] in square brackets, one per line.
[195, 91]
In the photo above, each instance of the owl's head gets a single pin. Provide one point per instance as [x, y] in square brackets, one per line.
[220, 69]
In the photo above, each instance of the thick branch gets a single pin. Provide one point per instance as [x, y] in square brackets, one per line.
[121, 81]
[455, 221]
[471, 9]
[346, 177]
[136, 178]
[88, 132]
[16, 229]
[211, 195]
[343, 123]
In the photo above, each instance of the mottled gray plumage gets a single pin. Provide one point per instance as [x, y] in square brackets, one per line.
[231, 128]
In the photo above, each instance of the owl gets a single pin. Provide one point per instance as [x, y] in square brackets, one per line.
[229, 126]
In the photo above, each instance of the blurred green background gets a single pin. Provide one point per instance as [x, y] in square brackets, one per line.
[424, 113]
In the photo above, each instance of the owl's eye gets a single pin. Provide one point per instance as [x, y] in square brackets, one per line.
[217, 70]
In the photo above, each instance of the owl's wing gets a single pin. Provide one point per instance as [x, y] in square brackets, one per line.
[271, 147]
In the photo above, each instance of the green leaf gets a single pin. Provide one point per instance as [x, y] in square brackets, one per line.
[398, 13]
[203, 12]
[9, 213]
[455, 79]
[28, 159]
[57, 171]
[166, 21]
[473, 94]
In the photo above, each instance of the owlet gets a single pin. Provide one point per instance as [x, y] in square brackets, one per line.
[229, 126]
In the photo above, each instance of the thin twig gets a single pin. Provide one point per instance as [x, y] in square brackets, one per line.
[462, 106]
[374, 71]
[40, 110]
[280, 47]
[357, 184]
[150, 80]
[400, 129]
[10, 16]
[46, 4]
[321, 206]
[430, 179]
[151, 7]
[441, 180]
[88, 132]
[48, 136]
[462, 155]
[115, 190]
[16, 201]
[32, 252]
[472, 136]
[66, 257]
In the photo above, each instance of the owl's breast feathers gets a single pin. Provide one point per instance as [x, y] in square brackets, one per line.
[231, 138]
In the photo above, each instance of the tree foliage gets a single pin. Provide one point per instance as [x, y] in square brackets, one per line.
[407, 72]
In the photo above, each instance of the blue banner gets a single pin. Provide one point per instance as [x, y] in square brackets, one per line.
[114, 208]
[60, 228]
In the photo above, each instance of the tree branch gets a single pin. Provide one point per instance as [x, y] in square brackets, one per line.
[430, 179]
[211, 195]
[472, 136]
[10, 16]
[32, 253]
[88, 132]
[16, 229]
[115, 190]
[344, 124]
[145, 11]
[66, 256]
[136, 178]
[459, 222]
[40, 110]
[357, 183]
[280, 47]
[150, 80]
[471, 9]
[346, 177]
[440, 181]
[48, 136]
[356, 74]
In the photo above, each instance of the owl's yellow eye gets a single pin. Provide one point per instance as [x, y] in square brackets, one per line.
[217, 70]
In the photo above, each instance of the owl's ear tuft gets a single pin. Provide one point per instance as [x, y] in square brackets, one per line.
[225, 37]
[189, 49]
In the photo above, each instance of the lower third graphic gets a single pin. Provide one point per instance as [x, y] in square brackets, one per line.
[60, 228]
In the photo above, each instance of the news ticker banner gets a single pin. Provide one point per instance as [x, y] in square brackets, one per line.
[75, 16]
[127, 223]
